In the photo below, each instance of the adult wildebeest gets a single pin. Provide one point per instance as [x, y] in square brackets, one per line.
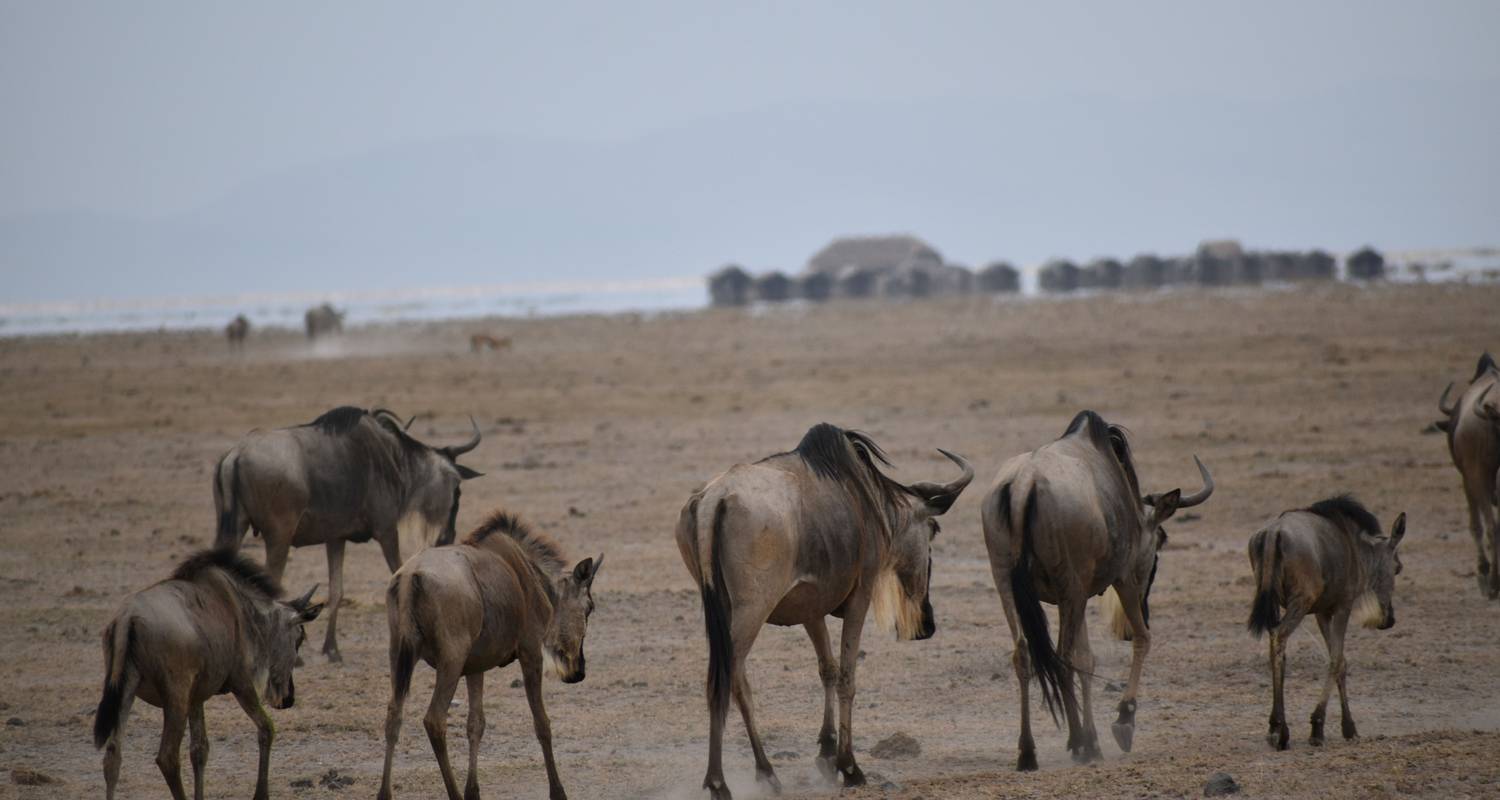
[1330, 560]
[504, 594]
[1474, 445]
[236, 331]
[215, 627]
[791, 539]
[348, 476]
[322, 320]
[1062, 524]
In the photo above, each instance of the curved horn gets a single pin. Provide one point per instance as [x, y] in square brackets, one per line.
[459, 449]
[943, 494]
[1483, 411]
[1188, 501]
[303, 601]
[1443, 401]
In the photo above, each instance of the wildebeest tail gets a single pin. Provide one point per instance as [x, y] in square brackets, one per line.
[406, 634]
[117, 639]
[717, 613]
[226, 501]
[1265, 612]
[1050, 669]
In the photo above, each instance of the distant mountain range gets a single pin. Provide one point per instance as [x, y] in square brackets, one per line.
[1024, 181]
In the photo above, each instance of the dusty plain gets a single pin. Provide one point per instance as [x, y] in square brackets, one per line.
[597, 428]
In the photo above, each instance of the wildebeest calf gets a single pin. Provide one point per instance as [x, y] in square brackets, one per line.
[1329, 560]
[214, 627]
[503, 594]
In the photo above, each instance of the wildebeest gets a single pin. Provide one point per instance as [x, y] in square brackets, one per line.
[484, 341]
[1064, 523]
[791, 539]
[236, 331]
[322, 320]
[1329, 560]
[1474, 445]
[504, 594]
[215, 627]
[350, 475]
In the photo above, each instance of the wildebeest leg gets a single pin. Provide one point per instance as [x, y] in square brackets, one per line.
[1067, 636]
[1337, 628]
[174, 715]
[1477, 526]
[476, 732]
[1021, 659]
[1140, 645]
[763, 771]
[1487, 511]
[854, 625]
[828, 672]
[1280, 734]
[392, 733]
[436, 719]
[1082, 660]
[1320, 710]
[265, 733]
[117, 739]
[197, 747]
[335, 596]
[531, 675]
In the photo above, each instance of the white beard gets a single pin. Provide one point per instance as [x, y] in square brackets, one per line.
[893, 610]
[415, 534]
[1368, 611]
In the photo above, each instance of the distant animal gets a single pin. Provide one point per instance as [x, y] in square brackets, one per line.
[791, 539]
[350, 475]
[236, 331]
[1064, 523]
[484, 341]
[1330, 560]
[323, 320]
[503, 594]
[1474, 445]
[215, 627]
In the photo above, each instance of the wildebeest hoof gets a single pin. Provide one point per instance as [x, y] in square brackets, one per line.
[557, 793]
[769, 779]
[717, 789]
[1349, 731]
[826, 768]
[1087, 754]
[334, 657]
[471, 792]
[1316, 740]
[1124, 735]
[1279, 739]
[1027, 761]
[853, 775]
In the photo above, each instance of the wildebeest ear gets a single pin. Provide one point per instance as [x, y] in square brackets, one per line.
[1398, 530]
[1165, 505]
[465, 473]
[310, 613]
[586, 570]
[937, 504]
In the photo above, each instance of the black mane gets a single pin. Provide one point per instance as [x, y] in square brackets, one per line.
[1486, 363]
[339, 421]
[240, 569]
[538, 546]
[825, 449]
[1344, 508]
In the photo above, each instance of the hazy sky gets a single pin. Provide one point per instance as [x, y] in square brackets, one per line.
[151, 109]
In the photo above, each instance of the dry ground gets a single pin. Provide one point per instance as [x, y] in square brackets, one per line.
[597, 429]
